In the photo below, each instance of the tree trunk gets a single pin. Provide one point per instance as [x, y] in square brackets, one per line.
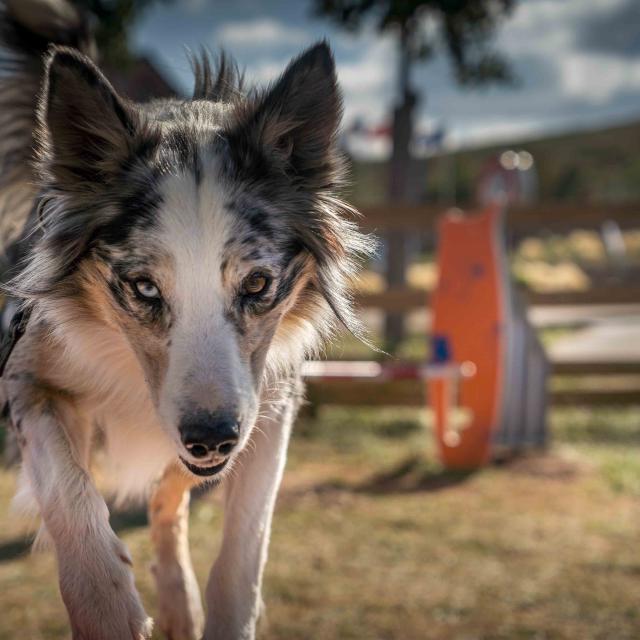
[399, 189]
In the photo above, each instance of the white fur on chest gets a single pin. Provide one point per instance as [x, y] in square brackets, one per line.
[136, 452]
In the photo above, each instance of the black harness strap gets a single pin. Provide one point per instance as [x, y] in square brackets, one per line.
[17, 327]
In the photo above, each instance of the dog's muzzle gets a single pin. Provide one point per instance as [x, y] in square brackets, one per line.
[204, 471]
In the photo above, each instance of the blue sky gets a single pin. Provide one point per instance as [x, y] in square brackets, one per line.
[578, 63]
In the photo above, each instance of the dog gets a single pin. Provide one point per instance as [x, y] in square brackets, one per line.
[170, 265]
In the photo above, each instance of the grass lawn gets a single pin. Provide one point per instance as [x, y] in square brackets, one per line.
[373, 540]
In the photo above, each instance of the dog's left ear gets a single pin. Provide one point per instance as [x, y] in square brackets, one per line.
[296, 120]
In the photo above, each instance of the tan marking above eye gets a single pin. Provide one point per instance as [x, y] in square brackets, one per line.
[254, 283]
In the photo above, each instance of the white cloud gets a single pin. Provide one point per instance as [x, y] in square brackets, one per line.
[547, 26]
[548, 30]
[565, 80]
[492, 131]
[542, 39]
[262, 33]
[367, 81]
[265, 71]
[597, 78]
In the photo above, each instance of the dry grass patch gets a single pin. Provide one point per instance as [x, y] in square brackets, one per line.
[372, 539]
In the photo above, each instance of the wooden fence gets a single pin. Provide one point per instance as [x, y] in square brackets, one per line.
[621, 378]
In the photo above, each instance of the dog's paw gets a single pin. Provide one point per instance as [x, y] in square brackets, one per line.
[98, 589]
[180, 613]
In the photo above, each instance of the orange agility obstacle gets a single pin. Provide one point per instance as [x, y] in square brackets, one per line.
[468, 329]
[486, 381]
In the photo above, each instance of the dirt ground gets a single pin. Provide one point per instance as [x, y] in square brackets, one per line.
[372, 539]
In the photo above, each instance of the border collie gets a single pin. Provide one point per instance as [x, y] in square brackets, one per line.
[172, 264]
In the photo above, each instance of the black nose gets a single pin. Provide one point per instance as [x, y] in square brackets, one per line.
[205, 432]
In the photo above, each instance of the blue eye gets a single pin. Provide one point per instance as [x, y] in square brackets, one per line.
[147, 289]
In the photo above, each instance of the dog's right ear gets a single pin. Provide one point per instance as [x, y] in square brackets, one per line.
[86, 131]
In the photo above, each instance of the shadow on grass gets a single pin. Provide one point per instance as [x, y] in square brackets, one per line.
[120, 521]
[14, 549]
[414, 474]
[411, 475]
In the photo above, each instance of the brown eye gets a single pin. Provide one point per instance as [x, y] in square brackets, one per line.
[255, 283]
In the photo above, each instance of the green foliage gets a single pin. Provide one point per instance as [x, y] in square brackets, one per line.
[463, 29]
[623, 473]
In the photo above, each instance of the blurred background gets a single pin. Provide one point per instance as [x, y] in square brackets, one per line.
[530, 104]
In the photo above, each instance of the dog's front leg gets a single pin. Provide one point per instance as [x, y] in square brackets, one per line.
[94, 567]
[233, 592]
[180, 614]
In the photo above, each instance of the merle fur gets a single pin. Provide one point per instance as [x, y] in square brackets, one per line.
[100, 159]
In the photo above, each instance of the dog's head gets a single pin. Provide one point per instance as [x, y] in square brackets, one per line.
[204, 235]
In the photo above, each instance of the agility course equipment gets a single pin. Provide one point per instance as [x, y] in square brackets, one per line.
[486, 381]
[491, 395]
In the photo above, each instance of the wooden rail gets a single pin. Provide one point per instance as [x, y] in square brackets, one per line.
[412, 393]
[520, 221]
[371, 384]
[369, 393]
[556, 218]
[595, 367]
[595, 397]
[336, 370]
[408, 299]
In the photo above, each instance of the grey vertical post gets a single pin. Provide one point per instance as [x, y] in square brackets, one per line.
[399, 187]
